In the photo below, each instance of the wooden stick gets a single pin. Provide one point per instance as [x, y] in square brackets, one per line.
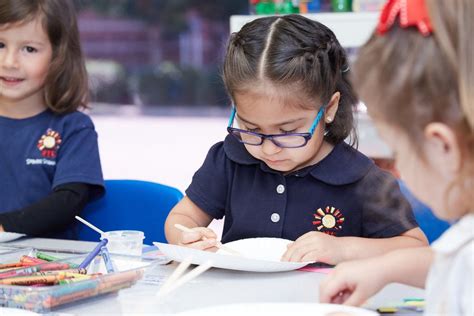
[164, 290]
[180, 269]
[218, 243]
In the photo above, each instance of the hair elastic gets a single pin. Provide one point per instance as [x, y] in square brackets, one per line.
[412, 13]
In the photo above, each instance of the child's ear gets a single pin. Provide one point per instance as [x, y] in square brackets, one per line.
[331, 108]
[442, 148]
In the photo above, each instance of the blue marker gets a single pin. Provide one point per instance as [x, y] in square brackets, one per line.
[109, 265]
[93, 253]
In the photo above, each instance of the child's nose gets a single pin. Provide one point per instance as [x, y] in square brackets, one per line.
[269, 147]
[10, 59]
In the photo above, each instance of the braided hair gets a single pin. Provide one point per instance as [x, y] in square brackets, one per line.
[296, 53]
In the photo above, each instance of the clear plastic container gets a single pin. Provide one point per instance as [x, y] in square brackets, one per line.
[45, 298]
[125, 242]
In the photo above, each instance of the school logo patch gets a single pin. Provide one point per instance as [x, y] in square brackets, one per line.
[328, 220]
[49, 143]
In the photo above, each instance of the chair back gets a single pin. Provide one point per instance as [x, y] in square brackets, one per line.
[432, 226]
[130, 205]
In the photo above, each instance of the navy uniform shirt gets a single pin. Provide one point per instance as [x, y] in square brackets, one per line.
[345, 194]
[39, 153]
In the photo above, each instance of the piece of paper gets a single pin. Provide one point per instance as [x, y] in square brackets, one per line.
[154, 254]
[7, 236]
[316, 269]
[279, 309]
[258, 255]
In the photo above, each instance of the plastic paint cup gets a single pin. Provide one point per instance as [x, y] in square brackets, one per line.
[125, 242]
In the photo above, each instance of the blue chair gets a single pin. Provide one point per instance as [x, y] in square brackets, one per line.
[130, 205]
[432, 226]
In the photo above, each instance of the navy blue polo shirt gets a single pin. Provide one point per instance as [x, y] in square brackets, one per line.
[345, 194]
[39, 153]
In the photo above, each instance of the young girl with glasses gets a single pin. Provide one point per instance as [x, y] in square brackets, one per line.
[416, 75]
[49, 157]
[284, 170]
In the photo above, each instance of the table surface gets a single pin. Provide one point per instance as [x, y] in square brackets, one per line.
[214, 287]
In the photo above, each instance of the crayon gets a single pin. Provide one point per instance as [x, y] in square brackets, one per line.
[76, 278]
[93, 253]
[19, 272]
[387, 310]
[11, 265]
[46, 257]
[75, 293]
[50, 266]
[32, 269]
[75, 287]
[31, 260]
[30, 280]
[413, 299]
[8, 269]
[65, 272]
[414, 303]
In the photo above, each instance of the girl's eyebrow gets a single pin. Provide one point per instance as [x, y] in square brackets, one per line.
[278, 124]
[27, 42]
[33, 42]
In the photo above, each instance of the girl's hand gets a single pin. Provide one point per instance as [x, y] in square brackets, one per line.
[202, 238]
[353, 282]
[315, 246]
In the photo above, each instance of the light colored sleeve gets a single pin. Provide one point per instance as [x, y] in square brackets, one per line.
[467, 298]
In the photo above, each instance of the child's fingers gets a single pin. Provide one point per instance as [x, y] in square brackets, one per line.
[356, 298]
[308, 236]
[207, 232]
[305, 252]
[190, 237]
[311, 256]
[330, 289]
[197, 233]
[202, 244]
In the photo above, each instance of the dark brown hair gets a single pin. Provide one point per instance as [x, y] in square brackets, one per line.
[66, 86]
[408, 80]
[296, 54]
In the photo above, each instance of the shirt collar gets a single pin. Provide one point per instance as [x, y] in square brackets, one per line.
[457, 236]
[343, 165]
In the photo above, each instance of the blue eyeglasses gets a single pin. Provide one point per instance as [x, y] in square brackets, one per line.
[287, 140]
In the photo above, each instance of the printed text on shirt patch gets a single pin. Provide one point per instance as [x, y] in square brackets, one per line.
[329, 220]
[49, 143]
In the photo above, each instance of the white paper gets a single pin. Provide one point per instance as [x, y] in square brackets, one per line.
[258, 255]
[121, 264]
[7, 236]
[8, 311]
[277, 309]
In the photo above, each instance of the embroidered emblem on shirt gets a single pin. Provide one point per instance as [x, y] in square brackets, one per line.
[328, 220]
[48, 144]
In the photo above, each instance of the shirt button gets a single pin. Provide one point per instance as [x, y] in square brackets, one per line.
[280, 189]
[275, 217]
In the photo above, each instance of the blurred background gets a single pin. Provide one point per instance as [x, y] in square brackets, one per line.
[156, 53]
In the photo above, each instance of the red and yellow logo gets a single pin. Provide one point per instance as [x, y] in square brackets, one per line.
[48, 144]
[328, 220]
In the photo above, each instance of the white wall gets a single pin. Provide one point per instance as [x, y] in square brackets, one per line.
[167, 150]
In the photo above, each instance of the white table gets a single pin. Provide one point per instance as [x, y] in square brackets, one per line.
[215, 286]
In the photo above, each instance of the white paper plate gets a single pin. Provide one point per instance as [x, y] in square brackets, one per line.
[6, 236]
[8, 311]
[277, 309]
[259, 255]
[263, 248]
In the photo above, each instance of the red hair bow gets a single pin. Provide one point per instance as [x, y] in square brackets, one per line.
[412, 13]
